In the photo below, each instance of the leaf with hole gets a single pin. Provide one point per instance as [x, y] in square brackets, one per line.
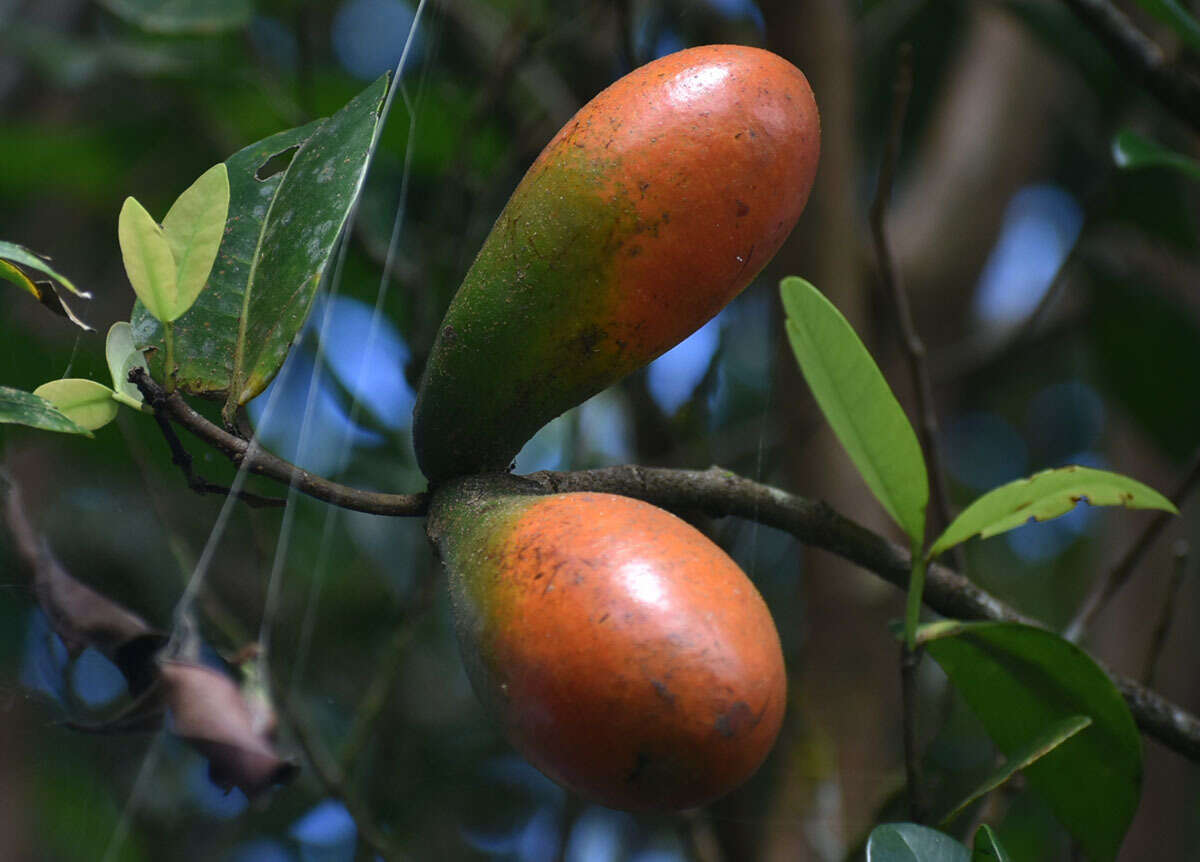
[85, 402]
[180, 17]
[18, 407]
[283, 224]
[987, 846]
[909, 842]
[1133, 152]
[859, 405]
[1038, 747]
[1043, 496]
[1020, 680]
[123, 357]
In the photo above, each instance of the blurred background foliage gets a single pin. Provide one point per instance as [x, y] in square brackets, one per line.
[1007, 190]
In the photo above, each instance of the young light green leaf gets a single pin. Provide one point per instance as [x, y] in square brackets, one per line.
[283, 228]
[858, 404]
[122, 358]
[194, 227]
[908, 842]
[1131, 151]
[1176, 16]
[987, 847]
[148, 259]
[1044, 496]
[85, 402]
[1019, 680]
[1054, 736]
[24, 408]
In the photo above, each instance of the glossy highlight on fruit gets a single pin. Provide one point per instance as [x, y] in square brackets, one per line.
[621, 651]
[647, 213]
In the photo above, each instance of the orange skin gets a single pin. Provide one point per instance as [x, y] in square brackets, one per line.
[624, 654]
[679, 131]
[644, 216]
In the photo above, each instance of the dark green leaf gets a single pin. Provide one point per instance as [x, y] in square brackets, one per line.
[1176, 16]
[1039, 747]
[908, 842]
[280, 236]
[1044, 496]
[183, 16]
[25, 408]
[858, 404]
[987, 847]
[1131, 151]
[1019, 680]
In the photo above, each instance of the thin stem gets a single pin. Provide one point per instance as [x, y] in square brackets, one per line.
[721, 493]
[169, 338]
[1176, 88]
[1108, 586]
[1158, 640]
[916, 587]
[180, 457]
[890, 278]
[255, 460]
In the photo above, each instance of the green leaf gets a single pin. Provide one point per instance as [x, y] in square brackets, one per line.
[1019, 680]
[858, 404]
[182, 16]
[1132, 152]
[20, 254]
[280, 237]
[194, 227]
[1039, 747]
[43, 292]
[85, 402]
[24, 408]
[1176, 16]
[122, 358]
[988, 847]
[908, 842]
[149, 263]
[1044, 496]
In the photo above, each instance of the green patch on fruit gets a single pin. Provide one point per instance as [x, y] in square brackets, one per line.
[532, 330]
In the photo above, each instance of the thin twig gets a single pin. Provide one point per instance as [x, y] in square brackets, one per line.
[180, 457]
[890, 277]
[1158, 640]
[1176, 88]
[255, 460]
[1109, 585]
[721, 493]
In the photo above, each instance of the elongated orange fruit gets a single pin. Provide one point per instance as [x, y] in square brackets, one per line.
[651, 209]
[621, 651]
